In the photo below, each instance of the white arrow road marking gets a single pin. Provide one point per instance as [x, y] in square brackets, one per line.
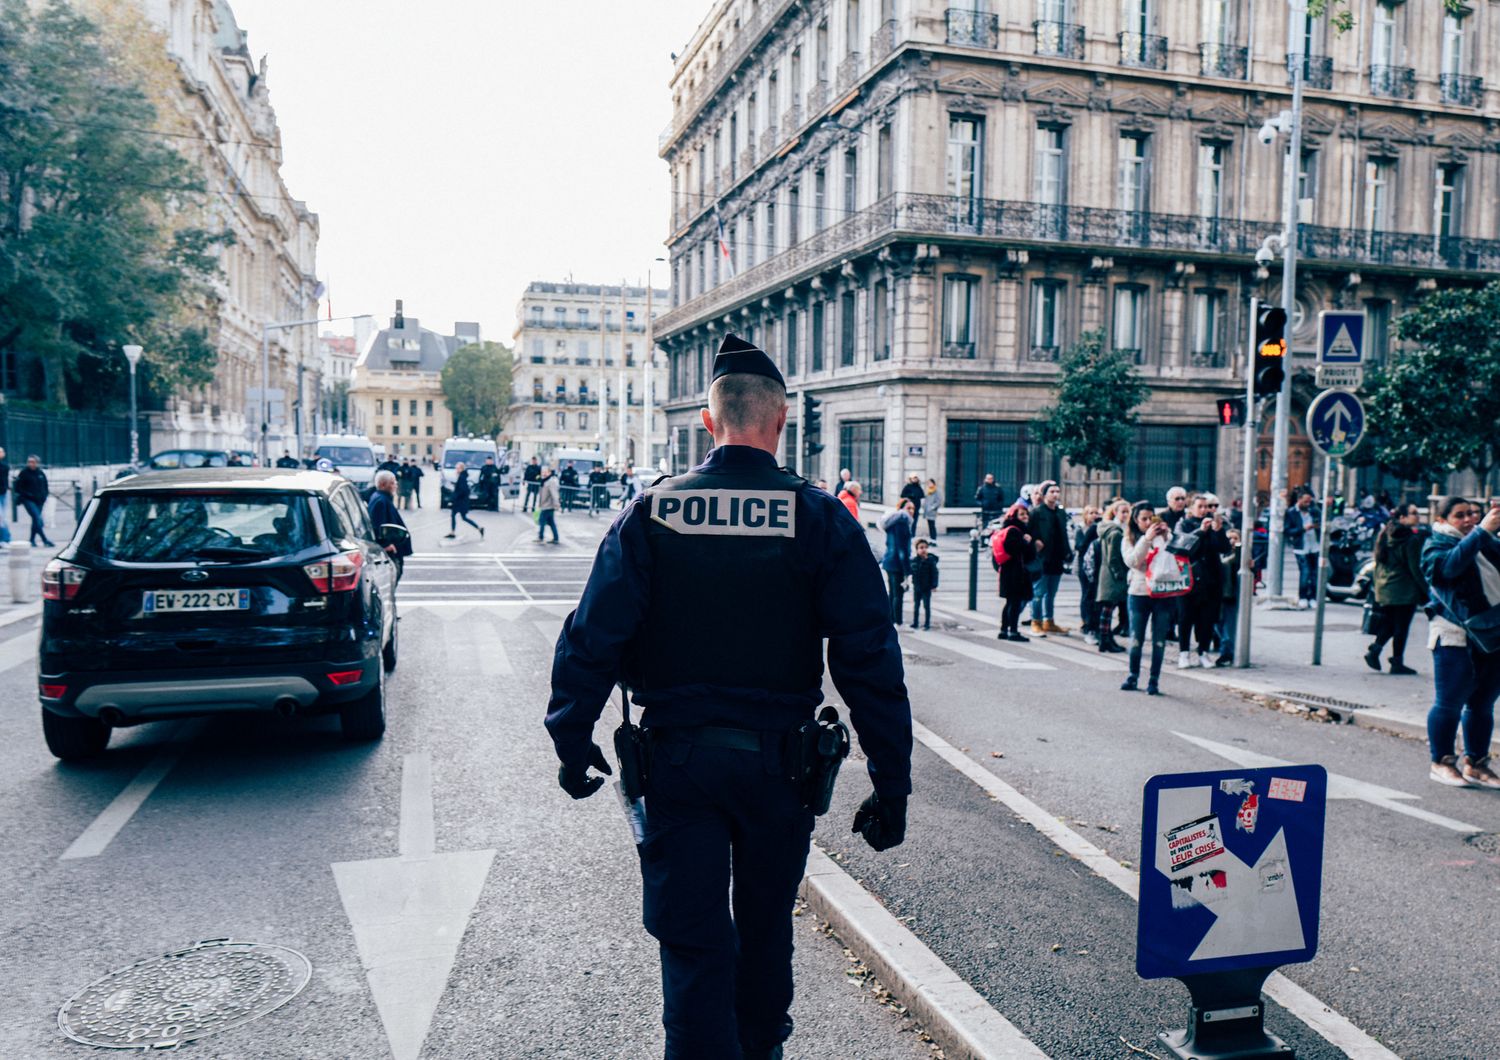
[102, 831]
[1339, 787]
[409, 914]
[1331, 1025]
[1004, 659]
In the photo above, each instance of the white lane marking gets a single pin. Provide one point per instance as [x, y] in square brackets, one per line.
[409, 914]
[103, 829]
[405, 602]
[1080, 656]
[489, 648]
[1339, 786]
[488, 586]
[959, 646]
[417, 834]
[900, 957]
[18, 650]
[21, 613]
[506, 571]
[491, 557]
[1329, 1024]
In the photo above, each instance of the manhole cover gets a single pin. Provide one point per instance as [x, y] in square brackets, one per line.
[161, 1001]
[1484, 842]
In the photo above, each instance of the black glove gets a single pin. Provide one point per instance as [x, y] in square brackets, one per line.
[881, 821]
[575, 780]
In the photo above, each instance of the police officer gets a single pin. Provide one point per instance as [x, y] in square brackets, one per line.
[720, 680]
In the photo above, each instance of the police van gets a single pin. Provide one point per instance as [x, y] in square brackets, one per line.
[352, 456]
[471, 452]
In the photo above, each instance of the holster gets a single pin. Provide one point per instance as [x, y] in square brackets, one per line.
[633, 755]
[814, 751]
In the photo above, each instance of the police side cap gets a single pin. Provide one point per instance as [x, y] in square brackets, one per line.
[737, 355]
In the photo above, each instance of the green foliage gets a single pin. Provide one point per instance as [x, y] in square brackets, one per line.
[1437, 410]
[91, 253]
[1341, 14]
[476, 386]
[1094, 419]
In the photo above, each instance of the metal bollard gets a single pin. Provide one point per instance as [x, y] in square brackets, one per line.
[77, 502]
[973, 570]
[22, 584]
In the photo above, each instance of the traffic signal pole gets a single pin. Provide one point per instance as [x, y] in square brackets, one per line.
[1296, 11]
[1247, 502]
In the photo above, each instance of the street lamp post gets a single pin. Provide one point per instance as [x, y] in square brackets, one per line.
[265, 372]
[133, 358]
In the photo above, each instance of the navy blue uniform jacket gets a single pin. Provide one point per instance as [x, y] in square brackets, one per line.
[383, 511]
[853, 615]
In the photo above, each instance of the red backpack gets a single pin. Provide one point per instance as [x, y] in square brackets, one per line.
[998, 554]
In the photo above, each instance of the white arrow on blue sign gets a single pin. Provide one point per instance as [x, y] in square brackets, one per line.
[1341, 336]
[1335, 422]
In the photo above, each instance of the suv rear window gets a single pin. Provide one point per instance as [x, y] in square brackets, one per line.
[351, 455]
[176, 527]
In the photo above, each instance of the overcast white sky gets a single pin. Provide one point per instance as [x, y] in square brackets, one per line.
[454, 150]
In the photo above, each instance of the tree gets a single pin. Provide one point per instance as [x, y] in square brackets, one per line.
[1436, 410]
[1093, 422]
[93, 251]
[476, 385]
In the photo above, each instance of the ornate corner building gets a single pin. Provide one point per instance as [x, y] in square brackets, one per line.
[268, 273]
[917, 208]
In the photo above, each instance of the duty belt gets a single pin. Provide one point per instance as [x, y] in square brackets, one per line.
[715, 736]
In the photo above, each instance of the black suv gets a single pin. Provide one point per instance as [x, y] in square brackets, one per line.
[186, 593]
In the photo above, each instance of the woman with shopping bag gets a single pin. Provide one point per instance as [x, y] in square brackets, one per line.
[1157, 578]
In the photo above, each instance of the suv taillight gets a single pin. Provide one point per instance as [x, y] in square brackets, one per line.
[337, 575]
[61, 580]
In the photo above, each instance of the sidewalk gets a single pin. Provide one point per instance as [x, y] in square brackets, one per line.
[1281, 643]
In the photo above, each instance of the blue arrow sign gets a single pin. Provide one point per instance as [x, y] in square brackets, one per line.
[1335, 422]
[1341, 336]
[1231, 870]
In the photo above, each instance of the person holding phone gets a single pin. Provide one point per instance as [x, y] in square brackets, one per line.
[1144, 534]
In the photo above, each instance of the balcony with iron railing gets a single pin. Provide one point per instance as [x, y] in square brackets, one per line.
[1394, 82]
[1317, 70]
[1044, 354]
[1462, 90]
[1137, 355]
[1222, 60]
[1206, 359]
[1061, 39]
[849, 71]
[1143, 50]
[579, 325]
[972, 29]
[961, 351]
[1167, 236]
[883, 41]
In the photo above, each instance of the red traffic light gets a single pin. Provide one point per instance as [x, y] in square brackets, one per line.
[1231, 412]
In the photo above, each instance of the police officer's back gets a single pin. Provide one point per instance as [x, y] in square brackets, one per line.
[711, 597]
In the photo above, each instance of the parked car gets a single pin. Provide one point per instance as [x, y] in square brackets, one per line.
[191, 593]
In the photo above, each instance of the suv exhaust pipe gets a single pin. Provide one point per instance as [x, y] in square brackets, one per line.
[286, 706]
[112, 716]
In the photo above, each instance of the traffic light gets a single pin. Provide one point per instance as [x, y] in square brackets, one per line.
[1270, 351]
[1232, 412]
[812, 425]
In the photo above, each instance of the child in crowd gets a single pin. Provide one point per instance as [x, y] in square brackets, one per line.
[924, 579]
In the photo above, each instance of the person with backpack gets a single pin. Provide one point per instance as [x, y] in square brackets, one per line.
[1146, 535]
[1010, 547]
[1112, 573]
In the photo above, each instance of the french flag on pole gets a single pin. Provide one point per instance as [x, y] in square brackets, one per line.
[723, 242]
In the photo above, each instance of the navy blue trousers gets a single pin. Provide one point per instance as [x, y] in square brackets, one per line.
[725, 849]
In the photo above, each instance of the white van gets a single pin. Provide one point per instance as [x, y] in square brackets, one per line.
[471, 452]
[352, 456]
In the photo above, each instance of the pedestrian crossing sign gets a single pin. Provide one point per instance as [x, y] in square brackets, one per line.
[1341, 336]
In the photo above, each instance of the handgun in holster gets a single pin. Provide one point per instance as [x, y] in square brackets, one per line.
[631, 750]
[815, 751]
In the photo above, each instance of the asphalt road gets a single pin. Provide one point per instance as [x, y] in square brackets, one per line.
[242, 836]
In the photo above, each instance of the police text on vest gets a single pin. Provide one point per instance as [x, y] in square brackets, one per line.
[743, 513]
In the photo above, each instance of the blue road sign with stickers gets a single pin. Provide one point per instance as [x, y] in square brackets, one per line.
[1231, 870]
[1341, 336]
[1335, 422]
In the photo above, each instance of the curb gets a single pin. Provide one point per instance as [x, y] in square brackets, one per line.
[963, 1023]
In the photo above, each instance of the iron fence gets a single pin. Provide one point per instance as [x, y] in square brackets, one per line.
[68, 439]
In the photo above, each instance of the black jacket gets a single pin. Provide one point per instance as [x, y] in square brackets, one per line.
[1050, 526]
[383, 511]
[1206, 555]
[990, 497]
[913, 492]
[31, 485]
[924, 573]
[533, 473]
[4, 478]
[461, 493]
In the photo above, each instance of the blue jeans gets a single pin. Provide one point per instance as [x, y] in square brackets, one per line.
[1043, 595]
[1307, 575]
[1466, 682]
[1229, 627]
[38, 530]
[1160, 614]
[546, 517]
[5, 518]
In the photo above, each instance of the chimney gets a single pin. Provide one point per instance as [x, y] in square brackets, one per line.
[399, 322]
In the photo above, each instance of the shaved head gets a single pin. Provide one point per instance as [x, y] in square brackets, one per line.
[744, 402]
